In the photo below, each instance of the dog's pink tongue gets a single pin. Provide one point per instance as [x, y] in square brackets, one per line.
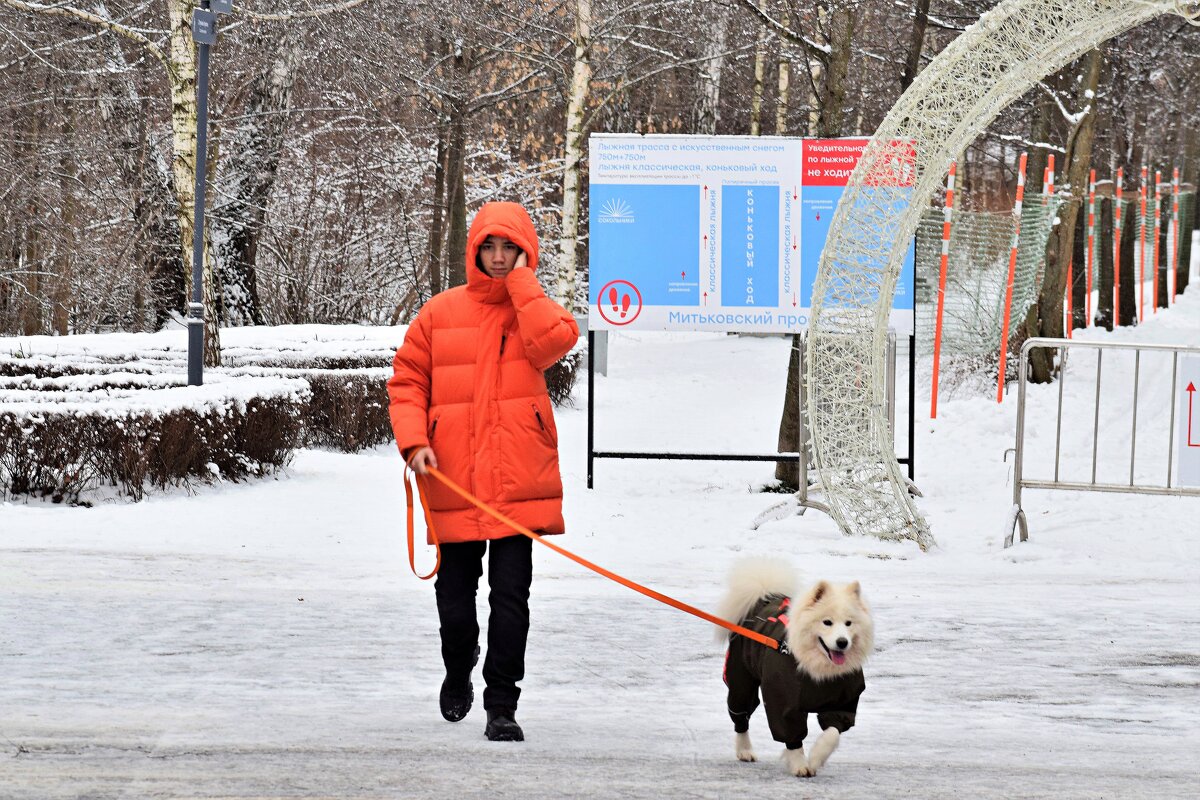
[838, 657]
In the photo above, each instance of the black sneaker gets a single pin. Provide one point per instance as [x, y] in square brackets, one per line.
[458, 694]
[502, 727]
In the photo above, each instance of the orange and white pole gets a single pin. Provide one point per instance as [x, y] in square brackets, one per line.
[1157, 234]
[1117, 250]
[1012, 273]
[1174, 237]
[1091, 241]
[947, 214]
[1142, 249]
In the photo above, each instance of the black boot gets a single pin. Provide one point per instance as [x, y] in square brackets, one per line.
[458, 694]
[502, 727]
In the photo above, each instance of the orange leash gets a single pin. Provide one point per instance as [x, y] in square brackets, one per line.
[412, 562]
[519, 528]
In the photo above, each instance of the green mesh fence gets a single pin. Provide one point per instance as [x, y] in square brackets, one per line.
[977, 274]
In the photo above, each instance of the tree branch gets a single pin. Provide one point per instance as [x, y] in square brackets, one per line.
[814, 50]
[316, 12]
[84, 16]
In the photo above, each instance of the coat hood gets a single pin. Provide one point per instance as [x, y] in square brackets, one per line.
[509, 220]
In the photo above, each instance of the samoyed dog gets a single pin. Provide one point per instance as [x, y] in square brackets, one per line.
[825, 635]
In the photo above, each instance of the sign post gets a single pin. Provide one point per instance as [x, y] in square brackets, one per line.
[204, 33]
[717, 233]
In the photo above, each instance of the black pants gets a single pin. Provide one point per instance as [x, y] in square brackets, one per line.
[510, 572]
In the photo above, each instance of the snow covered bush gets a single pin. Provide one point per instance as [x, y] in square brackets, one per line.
[347, 409]
[344, 370]
[561, 377]
[63, 436]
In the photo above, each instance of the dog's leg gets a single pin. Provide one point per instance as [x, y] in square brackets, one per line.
[823, 748]
[797, 764]
[743, 748]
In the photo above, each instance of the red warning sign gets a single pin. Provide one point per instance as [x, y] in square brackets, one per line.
[620, 302]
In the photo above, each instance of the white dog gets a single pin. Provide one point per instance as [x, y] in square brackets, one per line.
[826, 635]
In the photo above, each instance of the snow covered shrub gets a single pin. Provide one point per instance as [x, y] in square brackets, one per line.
[347, 409]
[561, 377]
[63, 436]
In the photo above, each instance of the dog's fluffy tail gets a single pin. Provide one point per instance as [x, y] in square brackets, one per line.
[749, 580]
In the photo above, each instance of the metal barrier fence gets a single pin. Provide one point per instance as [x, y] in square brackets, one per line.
[1016, 518]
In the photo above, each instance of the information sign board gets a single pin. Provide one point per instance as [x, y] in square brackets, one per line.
[714, 233]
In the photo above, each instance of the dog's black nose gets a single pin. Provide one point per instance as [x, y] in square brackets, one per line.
[843, 643]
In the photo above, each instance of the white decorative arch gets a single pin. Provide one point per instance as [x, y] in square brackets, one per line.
[950, 103]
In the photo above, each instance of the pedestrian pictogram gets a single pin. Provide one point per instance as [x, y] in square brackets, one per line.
[620, 302]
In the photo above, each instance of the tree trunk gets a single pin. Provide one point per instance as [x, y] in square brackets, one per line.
[247, 174]
[182, 77]
[1078, 287]
[61, 295]
[1104, 263]
[785, 79]
[1041, 131]
[1164, 252]
[916, 43]
[756, 96]
[1187, 223]
[833, 105]
[708, 92]
[1129, 309]
[788, 472]
[816, 79]
[456, 155]
[1076, 163]
[437, 229]
[830, 117]
[147, 174]
[581, 77]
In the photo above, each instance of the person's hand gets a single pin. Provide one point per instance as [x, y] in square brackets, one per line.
[522, 261]
[422, 460]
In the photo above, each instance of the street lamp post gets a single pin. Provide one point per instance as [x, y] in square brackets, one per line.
[204, 33]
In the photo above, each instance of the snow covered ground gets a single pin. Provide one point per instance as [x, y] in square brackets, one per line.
[268, 640]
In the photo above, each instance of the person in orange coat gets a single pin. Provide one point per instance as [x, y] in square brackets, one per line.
[468, 397]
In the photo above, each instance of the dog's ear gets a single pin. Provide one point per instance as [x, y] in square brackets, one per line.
[856, 589]
[816, 593]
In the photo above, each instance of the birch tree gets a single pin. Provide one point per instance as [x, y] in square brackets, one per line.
[573, 154]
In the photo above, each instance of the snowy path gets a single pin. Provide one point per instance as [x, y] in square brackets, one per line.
[275, 645]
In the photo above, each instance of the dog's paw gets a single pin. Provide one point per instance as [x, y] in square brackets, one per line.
[797, 764]
[819, 753]
[743, 748]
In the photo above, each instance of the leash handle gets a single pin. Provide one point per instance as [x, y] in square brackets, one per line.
[519, 528]
[412, 561]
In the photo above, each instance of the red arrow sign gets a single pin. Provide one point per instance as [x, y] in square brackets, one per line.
[795, 194]
[683, 274]
[793, 299]
[1191, 390]
[793, 241]
[706, 298]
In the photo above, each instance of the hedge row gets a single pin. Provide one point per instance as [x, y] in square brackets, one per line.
[134, 434]
[75, 424]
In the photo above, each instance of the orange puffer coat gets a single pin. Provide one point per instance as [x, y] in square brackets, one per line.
[468, 382]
